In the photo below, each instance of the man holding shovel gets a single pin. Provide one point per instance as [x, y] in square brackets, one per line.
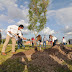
[12, 32]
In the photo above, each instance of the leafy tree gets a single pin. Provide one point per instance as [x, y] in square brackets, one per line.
[37, 15]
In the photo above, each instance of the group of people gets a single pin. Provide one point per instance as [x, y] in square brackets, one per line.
[15, 34]
[52, 39]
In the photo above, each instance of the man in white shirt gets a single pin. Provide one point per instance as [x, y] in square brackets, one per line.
[12, 32]
[64, 41]
[54, 39]
[44, 41]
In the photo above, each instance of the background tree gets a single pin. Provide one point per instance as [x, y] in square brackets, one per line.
[37, 15]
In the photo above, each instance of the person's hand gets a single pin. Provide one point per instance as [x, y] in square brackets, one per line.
[24, 38]
[9, 32]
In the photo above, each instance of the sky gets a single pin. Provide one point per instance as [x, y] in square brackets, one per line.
[59, 17]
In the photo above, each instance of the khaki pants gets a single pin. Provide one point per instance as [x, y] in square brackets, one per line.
[7, 41]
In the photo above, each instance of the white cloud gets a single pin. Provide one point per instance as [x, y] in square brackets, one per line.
[3, 18]
[26, 31]
[69, 33]
[25, 2]
[11, 21]
[47, 31]
[23, 22]
[63, 18]
[1, 7]
[67, 27]
[12, 10]
[64, 15]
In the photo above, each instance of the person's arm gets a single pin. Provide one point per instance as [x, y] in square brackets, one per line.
[21, 36]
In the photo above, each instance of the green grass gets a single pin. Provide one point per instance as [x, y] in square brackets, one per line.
[69, 46]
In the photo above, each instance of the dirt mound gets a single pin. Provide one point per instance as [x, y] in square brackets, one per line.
[48, 60]
[52, 58]
[29, 52]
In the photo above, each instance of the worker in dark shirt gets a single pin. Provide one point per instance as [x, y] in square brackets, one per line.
[20, 42]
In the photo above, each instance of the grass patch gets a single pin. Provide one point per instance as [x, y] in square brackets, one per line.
[69, 46]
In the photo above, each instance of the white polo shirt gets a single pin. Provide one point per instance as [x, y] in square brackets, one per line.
[54, 38]
[64, 40]
[14, 30]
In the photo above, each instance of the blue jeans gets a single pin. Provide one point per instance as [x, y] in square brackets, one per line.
[20, 43]
[44, 42]
[64, 43]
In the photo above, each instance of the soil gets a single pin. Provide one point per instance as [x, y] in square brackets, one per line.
[48, 60]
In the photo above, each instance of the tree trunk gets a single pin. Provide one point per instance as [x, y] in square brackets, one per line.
[35, 38]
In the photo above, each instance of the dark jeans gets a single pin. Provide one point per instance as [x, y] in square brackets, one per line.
[44, 42]
[32, 44]
[54, 42]
[20, 44]
[64, 43]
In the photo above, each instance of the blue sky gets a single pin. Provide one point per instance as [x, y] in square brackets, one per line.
[59, 17]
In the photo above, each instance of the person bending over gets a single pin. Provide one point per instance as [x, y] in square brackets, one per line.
[12, 32]
[53, 39]
[20, 42]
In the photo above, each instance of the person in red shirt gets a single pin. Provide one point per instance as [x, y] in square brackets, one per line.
[32, 41]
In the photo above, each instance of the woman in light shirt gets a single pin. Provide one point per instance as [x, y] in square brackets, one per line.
[53, 39]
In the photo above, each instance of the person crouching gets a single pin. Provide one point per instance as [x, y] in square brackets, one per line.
[53, 39]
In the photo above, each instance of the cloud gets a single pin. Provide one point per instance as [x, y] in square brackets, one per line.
[1, 7]
[69, 33]
[23, 22]
[11, 21]
[25, 2]
[63, 18]
[12, 10]
[47, 31]
[64, 15]
[26, 32]
[3, 18]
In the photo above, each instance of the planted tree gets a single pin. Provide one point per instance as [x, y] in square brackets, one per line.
[37, 15]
